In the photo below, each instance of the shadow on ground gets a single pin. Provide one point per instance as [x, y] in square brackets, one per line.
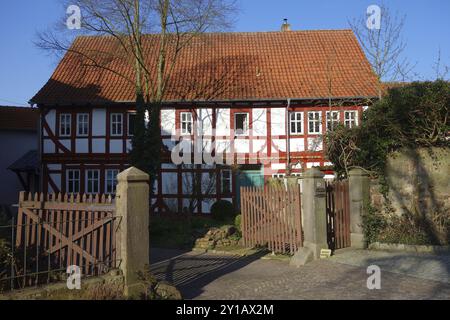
[191, 271]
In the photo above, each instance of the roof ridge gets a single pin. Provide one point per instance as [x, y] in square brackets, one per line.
[238, 33]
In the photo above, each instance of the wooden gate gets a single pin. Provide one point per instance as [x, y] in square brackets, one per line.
[271, 216]
[55, 231]
[338, 214]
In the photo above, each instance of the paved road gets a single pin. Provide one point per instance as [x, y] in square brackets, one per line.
[222, 277]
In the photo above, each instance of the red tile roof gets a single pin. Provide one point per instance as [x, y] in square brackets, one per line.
[221, 67]
[18, 118]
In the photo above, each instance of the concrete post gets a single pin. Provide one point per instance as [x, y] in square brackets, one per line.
[359, 193]
[132, 208]
[314, 218]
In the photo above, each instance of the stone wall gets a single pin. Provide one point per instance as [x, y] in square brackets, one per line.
[418, 181]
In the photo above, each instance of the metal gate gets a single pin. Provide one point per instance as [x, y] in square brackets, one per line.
[338, 214]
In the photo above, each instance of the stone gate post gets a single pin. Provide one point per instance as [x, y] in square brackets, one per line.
[132, 209]
[359, 194]
[314, 217]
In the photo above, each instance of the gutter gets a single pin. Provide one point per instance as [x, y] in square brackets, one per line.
[288, 139]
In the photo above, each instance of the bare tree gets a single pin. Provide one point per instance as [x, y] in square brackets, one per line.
[441, 70]
[384, 46]
[175, 22]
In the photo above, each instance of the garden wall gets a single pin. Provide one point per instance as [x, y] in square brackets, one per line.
[418, 182]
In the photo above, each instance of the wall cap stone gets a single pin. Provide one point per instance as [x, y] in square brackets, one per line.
[357, 172]
[133, 174]
[313, 173]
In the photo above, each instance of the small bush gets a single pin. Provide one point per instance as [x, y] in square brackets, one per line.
[237, 222]
[373, 223]
[223, 210]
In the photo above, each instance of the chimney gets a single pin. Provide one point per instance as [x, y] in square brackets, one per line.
[285, 26]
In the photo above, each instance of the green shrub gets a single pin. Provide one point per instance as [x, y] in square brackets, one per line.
[237, 222]
[223, 210]
[373, 223]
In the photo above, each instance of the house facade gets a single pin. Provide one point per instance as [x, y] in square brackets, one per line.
[262, 101]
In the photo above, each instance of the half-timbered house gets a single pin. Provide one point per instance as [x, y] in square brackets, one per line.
[267, 96]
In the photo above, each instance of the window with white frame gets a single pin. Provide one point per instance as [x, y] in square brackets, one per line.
[351, 119]
[226, 181]
[111, 180]
[82, 124]
[296, 122]
[65, 122]
[73, 181]
[92, 181]
[332, 120]
[278, 175]
[314, 122]
[116, 124]
[131, 123]
[241, 124]
[186, 122]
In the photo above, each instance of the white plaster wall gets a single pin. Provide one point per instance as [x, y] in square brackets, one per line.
[259, 146]
[98, 145]
[168, 122]
[297, 144]
[169, 183]
[54, 166]
[278, 166]
[204, 121]
[99, 122]
[241, 145]
[66, 143]
[51, 121]
[223, 122]
[48, 146]
[82, 145]
[56, 177]
[259, 122]
[280, 144]
[278, 121]
[315, 144]
[115, 146]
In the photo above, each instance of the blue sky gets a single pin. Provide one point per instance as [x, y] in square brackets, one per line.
[24, 69]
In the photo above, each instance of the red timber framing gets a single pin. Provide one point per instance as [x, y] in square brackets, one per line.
[65, 158]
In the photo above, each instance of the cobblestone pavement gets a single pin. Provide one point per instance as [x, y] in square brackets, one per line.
[427, 266]
[223, 277]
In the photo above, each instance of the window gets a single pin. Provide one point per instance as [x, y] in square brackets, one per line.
[226, 181]
[111, 180]
[278, 176]
[296, 122]
[332, 120]
[351, 119]
[131, 123]
[314, 122]
[186, 123]
[241, 123]
[92, 181]
[83, 124]
[73, 181]
[116, 124]
[65, 120]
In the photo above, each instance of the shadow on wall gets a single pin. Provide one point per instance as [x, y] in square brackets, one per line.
[418, 181]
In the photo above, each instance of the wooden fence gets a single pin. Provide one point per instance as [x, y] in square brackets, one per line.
[54, 231]
[338, 214]
[271, 216]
